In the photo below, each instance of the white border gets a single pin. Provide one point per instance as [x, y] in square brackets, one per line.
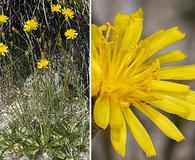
[90, 100]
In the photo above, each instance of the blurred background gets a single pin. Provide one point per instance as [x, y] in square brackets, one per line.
[158, 15]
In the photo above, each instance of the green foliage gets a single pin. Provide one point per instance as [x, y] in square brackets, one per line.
[48, 107]
[47, 121]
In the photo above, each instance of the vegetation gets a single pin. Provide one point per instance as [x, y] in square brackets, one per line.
[44, 79]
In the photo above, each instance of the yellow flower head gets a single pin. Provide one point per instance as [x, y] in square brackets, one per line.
[123, 78]
[31, 25]
[56, 8]
[3, 18]
[16, 146]
[68, 12]
[3, 49]
[71, 33]
[43, 62]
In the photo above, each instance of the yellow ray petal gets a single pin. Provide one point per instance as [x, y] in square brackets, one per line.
[133, 30]
[95, 54]
[120, 23]
[96, 70]
[190, 115]
[162, 122]
[169, 86]
[178, 72]
[139, 132]
[183, 95]
[162, 39]
[102, 112]
[129, 41]
[181, 100]
[191, 97]
[95, 35]
[167, 105]
[118, 138]
[116, 116]
[169, 57]
[95, 87]
[156, 34]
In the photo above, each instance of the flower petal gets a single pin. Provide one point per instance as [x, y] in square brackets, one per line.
[178, 72]
[120, 23]
[169, 86]
[162, 122]
[167, 105]
[102, 112]
[169, 57]
[118, 138]
[96, 70]
[133, 30]
[190, 115]
[95, 35]
[177, 100]
[139, 132]
[95, 52]
[191, 97]
[116, 116]
[162, 39]
[130, 36]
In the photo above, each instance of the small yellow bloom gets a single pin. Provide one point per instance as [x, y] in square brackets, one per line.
[56, 8]
[3, 49]
[68, 12]
[43, 62]
[16, 146]
[126, 75]
[3, 18]
[71, 33]
[31, 25]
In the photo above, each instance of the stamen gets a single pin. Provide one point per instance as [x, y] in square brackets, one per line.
[108, 31]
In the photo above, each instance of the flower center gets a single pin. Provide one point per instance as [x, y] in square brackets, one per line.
[126, 74]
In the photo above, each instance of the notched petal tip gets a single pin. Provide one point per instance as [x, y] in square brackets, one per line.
[178, 31]
[180, 138]
[152, 154]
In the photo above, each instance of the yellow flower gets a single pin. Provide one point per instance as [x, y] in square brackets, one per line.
[56, 8]
[3, 18]
[31, 25]
[3, 49]
[124, 78]
[71, 33]
[68, 12]
[43, 62]
[16, 146]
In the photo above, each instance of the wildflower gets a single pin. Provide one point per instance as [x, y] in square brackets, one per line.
[123, 78]
[3, 49]
[43, 62]
[71, 33]
[31, 25]
[68, 12]
[16, 146]
[3, 18]
[56, 8]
